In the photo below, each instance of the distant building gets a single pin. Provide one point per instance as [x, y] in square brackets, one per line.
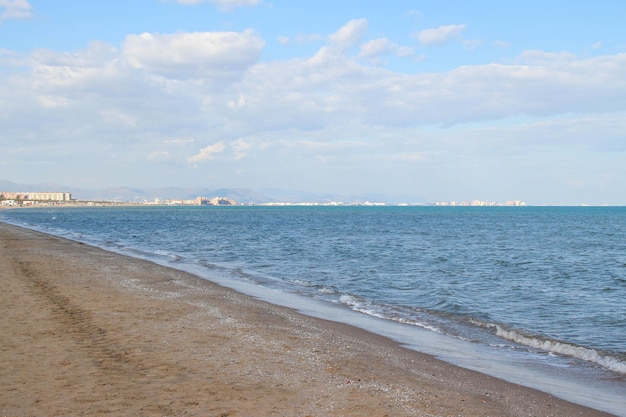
[36, 196]
[203, 201]
[215, 201]
[65, 197]
[481, 203]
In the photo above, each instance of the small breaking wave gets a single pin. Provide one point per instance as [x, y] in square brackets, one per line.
[566, 349]
[370, 309]
[555, 347]
[174, 257]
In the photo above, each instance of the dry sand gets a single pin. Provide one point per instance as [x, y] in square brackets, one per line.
[87, 332]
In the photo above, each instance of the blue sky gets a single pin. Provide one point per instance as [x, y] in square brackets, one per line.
[421, 101]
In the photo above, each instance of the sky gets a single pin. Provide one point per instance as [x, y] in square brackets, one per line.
[420, 101]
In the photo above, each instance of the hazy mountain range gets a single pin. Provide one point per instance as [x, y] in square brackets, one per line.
[240, 195]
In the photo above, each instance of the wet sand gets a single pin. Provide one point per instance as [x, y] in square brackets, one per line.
[87, 332]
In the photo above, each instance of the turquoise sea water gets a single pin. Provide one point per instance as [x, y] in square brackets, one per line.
[544, 283]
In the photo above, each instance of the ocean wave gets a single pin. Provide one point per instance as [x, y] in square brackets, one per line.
[586, 354]
[555, 347]
[360, 305]
[350, 300]
[302, 283]
[168, 255]
[326, 290]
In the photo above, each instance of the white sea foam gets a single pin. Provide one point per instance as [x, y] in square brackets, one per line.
[362, 307]
[302, 283]
[420, 324]
[551, 346]
[349, 300]
[167, 254]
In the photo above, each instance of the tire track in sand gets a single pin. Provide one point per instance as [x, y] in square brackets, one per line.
[78, 325]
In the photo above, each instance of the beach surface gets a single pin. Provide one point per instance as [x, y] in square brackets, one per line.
[84, 331]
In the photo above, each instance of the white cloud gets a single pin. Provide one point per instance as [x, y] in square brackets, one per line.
[404, 51]
[502, 44]
[349, 35]
[240, 148]
[96, 65]
[15, 9]
[377, 47]
[299, 39]
[439, 35]
[541, 58]
[207, 153]
[236, 104]
[339, 43]
[339, 91]
[329, 89]
[209, 55]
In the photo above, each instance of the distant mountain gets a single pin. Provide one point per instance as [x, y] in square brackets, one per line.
[112, 194]
[243, 195]
[15, 187]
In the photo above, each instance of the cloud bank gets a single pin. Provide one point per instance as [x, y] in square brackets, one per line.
[15, 9]
[223, 56]
[206, 101]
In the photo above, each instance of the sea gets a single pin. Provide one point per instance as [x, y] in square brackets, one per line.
[532, 295]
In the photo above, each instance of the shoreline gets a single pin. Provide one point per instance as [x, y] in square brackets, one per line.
[91, 331]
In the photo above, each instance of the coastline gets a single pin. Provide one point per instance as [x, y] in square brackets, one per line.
[89, 331]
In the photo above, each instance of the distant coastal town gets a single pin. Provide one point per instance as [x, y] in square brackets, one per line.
[28, 199]
[481, 203]
[32, 199]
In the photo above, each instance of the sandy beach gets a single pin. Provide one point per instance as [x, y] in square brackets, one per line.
[89, 332]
